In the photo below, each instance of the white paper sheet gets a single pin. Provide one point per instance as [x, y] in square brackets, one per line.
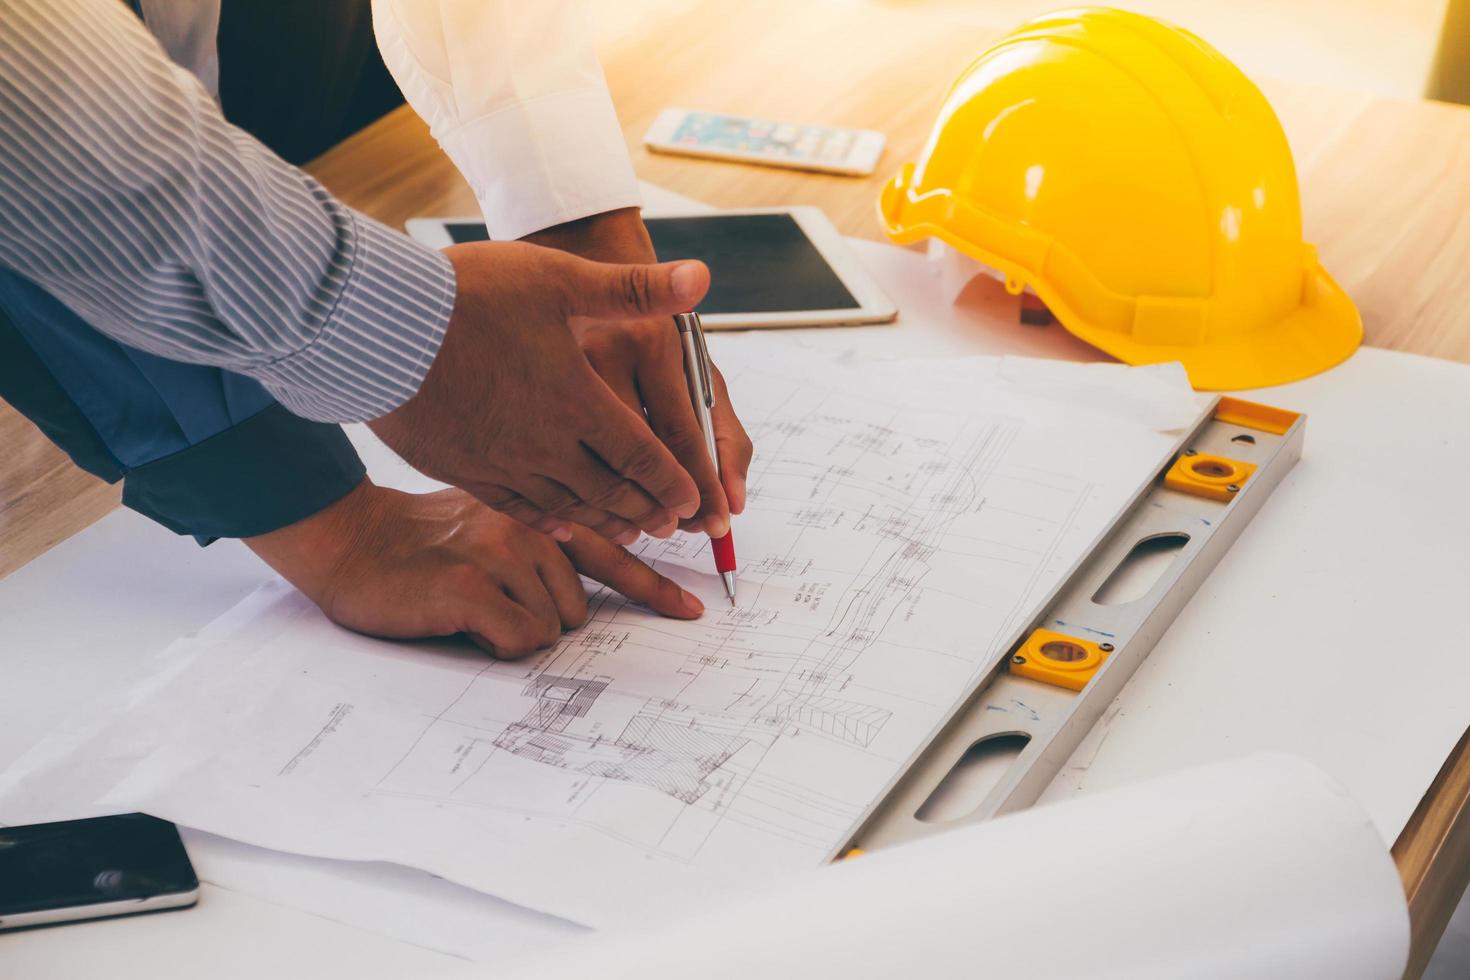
[904, 519]
[383, 899]
[1257, 867]
[1218, 684]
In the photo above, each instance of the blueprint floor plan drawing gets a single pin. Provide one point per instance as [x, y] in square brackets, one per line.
[876, 509]
[903, 522]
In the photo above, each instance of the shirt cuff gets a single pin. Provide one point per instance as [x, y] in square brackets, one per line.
[266, 472]
[382, 336]
[540, 163]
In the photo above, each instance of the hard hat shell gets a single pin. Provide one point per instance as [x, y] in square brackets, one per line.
[1142, 186]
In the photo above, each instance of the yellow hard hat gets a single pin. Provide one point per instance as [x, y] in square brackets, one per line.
[1142, 186]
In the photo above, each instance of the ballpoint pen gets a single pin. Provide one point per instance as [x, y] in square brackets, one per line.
[702, 392]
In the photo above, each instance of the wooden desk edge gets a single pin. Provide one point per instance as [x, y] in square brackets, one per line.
[1433, 856]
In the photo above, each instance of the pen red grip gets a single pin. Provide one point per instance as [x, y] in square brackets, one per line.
[724, 549]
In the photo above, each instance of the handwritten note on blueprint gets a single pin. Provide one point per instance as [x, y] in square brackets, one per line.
[904, 519]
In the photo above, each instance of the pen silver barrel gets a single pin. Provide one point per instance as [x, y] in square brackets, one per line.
[701, 380]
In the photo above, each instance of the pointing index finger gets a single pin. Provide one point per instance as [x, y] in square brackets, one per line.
[619, 569]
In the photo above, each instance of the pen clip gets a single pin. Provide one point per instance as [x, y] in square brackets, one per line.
[706, 369]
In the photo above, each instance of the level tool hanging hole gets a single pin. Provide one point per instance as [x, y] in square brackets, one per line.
[1140, 569]
[971, 779]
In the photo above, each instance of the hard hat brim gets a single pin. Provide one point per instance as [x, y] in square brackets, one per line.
[1322, 332]
[1317, 335]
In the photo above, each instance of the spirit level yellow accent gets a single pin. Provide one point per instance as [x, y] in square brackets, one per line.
[1254, 415]
[1056, 658]
[1209, 476]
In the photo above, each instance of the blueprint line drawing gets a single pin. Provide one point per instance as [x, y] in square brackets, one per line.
[904, 521]
[668, 757]
[868, 511]
[848, 720]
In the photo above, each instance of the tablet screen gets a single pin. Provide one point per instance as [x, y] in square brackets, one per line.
[759, 263]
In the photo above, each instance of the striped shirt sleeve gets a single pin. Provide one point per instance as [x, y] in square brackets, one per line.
[125, 194]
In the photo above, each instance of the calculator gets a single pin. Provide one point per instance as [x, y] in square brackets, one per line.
[803, 146]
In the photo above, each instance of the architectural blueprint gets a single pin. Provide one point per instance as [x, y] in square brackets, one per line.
[904, 518]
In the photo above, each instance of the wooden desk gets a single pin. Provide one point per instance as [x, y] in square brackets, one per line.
[1383, 182]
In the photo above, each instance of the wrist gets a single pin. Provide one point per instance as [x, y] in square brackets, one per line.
[612, 236]
[310, 552]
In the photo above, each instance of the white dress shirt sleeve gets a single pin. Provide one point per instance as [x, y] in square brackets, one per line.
[513, 92]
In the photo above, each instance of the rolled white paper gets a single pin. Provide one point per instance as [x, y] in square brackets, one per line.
[1257, 867]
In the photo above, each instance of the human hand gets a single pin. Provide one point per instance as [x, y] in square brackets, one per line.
[404, 565]
[642, 361]
[512, 412]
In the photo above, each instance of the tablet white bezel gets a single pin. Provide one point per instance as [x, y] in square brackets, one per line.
[873, 306]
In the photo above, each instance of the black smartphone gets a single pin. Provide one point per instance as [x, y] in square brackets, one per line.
[90, 869]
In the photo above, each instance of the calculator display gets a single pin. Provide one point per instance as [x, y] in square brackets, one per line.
[819, 144]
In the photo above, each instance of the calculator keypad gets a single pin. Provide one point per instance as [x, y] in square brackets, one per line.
[818, 144]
